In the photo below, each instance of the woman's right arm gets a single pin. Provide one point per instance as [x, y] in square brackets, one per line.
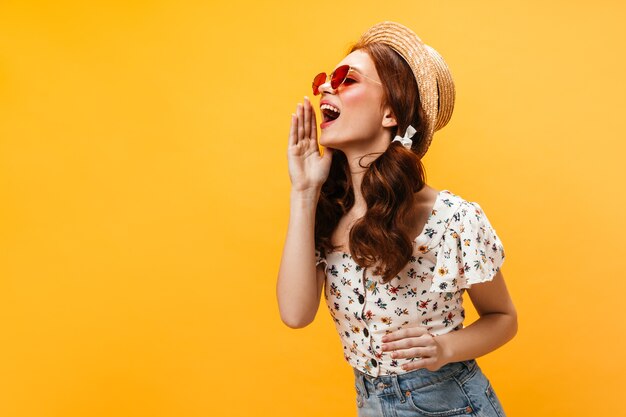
[299, 284]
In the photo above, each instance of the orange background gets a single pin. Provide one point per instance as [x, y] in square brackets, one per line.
[144, 200]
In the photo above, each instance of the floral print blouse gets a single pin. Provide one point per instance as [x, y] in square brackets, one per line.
[458, 247]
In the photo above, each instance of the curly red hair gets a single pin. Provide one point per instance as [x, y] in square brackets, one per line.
[380, 238]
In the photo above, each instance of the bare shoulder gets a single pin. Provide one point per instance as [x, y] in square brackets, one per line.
[426, 197]
[425, 200]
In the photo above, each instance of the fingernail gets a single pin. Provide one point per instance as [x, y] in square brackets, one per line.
[306, 98]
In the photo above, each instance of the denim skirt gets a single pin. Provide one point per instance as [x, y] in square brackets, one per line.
[455, 389]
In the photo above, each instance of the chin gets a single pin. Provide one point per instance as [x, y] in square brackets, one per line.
[324, 141]
[330, 140]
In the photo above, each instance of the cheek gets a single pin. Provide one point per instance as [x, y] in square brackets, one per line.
[361, 104]
[354, 97]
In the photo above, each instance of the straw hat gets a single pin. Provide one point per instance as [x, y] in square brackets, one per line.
[434, 81]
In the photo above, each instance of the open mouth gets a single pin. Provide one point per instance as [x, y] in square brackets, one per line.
[329, 113]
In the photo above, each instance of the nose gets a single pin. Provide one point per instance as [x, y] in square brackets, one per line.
[325, 88]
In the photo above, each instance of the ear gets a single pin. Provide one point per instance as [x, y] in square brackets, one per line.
[389, 120]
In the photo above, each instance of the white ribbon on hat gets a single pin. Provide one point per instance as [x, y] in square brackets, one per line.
[406, 139]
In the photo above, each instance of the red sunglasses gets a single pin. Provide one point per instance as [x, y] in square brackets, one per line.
[337, 77]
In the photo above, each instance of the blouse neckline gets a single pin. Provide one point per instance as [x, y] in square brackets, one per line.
[427, 225]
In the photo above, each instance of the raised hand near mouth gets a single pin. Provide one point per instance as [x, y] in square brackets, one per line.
[307, 168]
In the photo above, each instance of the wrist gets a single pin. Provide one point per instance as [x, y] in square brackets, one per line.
[446, 351]
[311, 194]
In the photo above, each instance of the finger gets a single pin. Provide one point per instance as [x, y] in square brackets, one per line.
[292, 130]
[403, 333]
[417, 364]
[401, 344]
[313, 124]
[416, 352]
[300, 123]
[307, 118]
[409, 341]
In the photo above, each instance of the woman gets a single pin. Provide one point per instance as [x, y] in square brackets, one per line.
[393, 255]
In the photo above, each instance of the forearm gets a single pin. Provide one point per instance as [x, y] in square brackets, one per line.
[297, 287]
[485, 335]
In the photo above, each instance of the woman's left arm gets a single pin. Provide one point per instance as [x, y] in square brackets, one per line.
[495, 327]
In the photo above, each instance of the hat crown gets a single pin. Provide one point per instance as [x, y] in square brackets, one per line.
[434, 80]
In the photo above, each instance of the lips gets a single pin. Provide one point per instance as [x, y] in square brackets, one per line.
[325, 124]
[329, 111]
[325, 101]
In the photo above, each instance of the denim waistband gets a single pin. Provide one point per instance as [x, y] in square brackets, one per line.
[390, 384]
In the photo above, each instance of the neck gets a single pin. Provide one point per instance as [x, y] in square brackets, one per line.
[359, 161]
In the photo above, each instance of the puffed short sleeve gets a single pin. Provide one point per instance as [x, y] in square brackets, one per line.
[469, 252]
[319, 259]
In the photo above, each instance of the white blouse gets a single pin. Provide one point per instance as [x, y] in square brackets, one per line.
[457, 248]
